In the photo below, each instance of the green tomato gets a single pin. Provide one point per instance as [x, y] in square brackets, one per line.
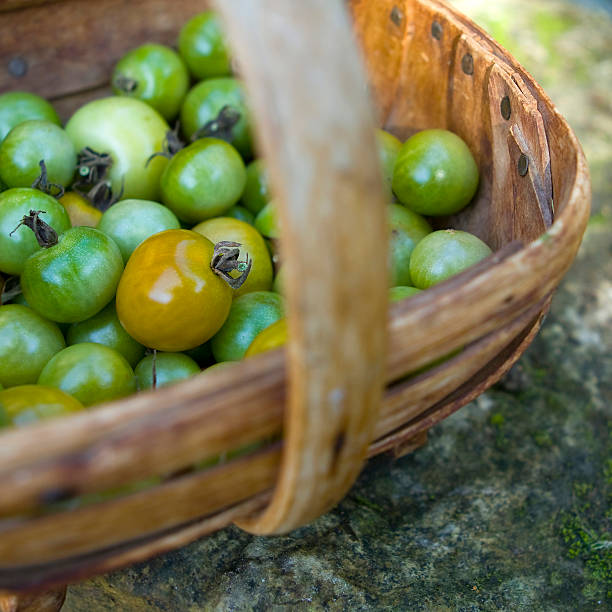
[30, 142]
[104, 328]
[241, 213]
[266, 221]
[407, 229]
[74, 279]
[19, 106]
[388, 149]
[130, 131]
[204, 102]
[256, 190]
[32, 403]
[249, 314]
[155, 74]
[16, 246]
[169, 368]
[93, 373]
[27, 342]
[202, 46]
[129, 222]
[443, 254]
[397, 294]
[203, 180]
[435, 173]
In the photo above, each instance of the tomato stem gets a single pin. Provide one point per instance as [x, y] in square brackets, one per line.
[42, 183]
[172, 144]
[125, 84]
[225, 260]
[45, 234]
[11, 289]
[222, 126]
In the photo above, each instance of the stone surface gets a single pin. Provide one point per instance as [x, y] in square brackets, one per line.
[508, 506]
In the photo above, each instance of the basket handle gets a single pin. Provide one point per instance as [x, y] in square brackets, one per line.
[315, 128]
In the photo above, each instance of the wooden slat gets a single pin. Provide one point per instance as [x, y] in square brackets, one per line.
[106, 524]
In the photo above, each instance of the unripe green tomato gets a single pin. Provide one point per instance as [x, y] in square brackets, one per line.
[397, 294]
[130, 131]
[93, 373]
[32, 403]
[155, 74]
[257, 191]
[205, 101]
[203, 180]
[202, 46]
[249, 314]
[74, 279]
[129, 222]
[169, 368]
[241, 213]
[31, 142]
[435, 173]
[266, 221]
[407, 230]
[16, 246]
[388, 149]
[27, 342]
[104, 328]
[19, 106]
[443, 254]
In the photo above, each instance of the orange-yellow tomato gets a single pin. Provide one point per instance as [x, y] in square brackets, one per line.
[168, 297]
[268, 339]
[80, 211]
[253, 244]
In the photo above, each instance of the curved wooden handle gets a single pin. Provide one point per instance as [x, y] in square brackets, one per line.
[308, 92]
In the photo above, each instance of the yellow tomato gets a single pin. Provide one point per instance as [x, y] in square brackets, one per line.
[268, 339]
[253, 244]
[80, 211]
[29, 403]
[169, 298]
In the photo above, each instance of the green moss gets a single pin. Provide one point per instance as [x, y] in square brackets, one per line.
[586, 530]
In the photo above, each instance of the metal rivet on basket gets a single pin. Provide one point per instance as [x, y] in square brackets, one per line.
[397, 16]
[436, 30]
[523, 164]
[505, 108]
[17, 66]
[467, 64]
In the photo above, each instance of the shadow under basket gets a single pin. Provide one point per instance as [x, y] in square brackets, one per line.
[342, 389]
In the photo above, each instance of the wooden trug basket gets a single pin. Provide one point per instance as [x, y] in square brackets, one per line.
[341, 387]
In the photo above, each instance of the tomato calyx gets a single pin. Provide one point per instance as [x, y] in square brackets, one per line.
[171, 145]
[93, 183]
[42, 183]
[221, 126]
[225, 260]
[92, 166]
[46, 236]
[125, 84]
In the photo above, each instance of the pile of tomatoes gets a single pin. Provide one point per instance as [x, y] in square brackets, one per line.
[137, 242]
